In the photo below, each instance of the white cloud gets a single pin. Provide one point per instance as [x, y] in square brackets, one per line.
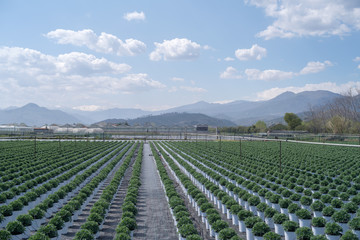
[309, 18]
[315, 67]
[105, 43]
[193, 89]
[254, 53]
[329, 86]
[357, 59]
[134, 16]
[175, 49]
[268, 75]
[223, 101]
[136, 82]
[228, 59]
[88, 108]
[230, 73]
[177, 79]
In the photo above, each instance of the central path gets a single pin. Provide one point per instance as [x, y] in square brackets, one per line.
[154, 219]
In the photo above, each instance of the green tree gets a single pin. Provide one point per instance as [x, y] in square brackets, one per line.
[292, 120]
[260, 126]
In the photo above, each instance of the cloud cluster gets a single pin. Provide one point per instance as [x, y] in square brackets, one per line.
[230, 73]
[357, 59]
[309, 18]
[275, 75]
[175, 49]
[105, 43]
[329, 86]
[134, 16]
[254, 53]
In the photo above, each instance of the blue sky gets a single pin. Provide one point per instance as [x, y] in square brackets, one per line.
[155, 55]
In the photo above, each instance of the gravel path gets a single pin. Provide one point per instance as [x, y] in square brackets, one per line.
[154, 218]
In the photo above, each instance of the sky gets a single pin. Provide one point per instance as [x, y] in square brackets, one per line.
[154, 55]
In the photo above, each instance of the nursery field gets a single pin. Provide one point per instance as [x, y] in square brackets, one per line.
[178, 190]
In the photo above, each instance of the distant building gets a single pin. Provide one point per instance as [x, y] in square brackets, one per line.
[43, 130]
[202, 128]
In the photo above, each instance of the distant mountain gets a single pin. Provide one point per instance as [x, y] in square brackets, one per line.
[239, 112]
[175, 119]
[33, 115]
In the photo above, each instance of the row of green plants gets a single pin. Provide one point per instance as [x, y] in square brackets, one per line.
[15, 206]
[180, 212]
[217, 227]
[127, 224]
[301, 213]
[38, 212]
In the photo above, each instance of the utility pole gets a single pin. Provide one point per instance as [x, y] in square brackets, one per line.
[280, 156]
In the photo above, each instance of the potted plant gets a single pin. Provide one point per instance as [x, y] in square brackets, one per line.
[303, 233]
[317, 208]
[292, 211]
[284, 204]
[261, 207]
[249, 223]
[333, 231]
[279, 219]
[349, 236]
[235, 209]
[212, 218]
[355, 226]
[269, 213]
[342, 218]
[327, 212]
[289, 229]
[218, 226]
[226, 233]
[253, 202]
[259, 230]
[272, 236]
[242, 215]
[318, 225]
[305, 202]
[304, 217]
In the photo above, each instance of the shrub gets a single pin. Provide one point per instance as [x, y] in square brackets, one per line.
[253, 201]
[270, 212]
[336, 203]
[260, 228]
[293, 208]
[85, 234]
[349, 236]
[39, 236]
[5, 235]
[49, 230]
[262, 207]
[318, 222]
[350, 207]
[303, 233]
[183, 221]
[243, 214]
[219, 225]
[6, 210]
[328, 211]
[306, 201]
[271, 236]
[251, 221]
[25, 219]
[187, 230]
[194, 237]
[212, 218]
[130, 223]
[65, 215]
[341, 216]
[285, 203]
[235, 209]
[15, 227]
[333, 229]
[95, 217]
[91, 226]
[16, 205]
[290, 226]
[226, 233]
[303, 214]
[355, 223]
[317, 206]
[36, 213]
[318, 237]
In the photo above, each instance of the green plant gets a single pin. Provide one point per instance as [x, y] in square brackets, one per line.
[318, 222]
[333, 229]
[303, 214]
[293, 208]
[219, 225]
[92, 226]
[49, 230]
[84, 234]
[25, 219]
[260, 228]
[226, 233]
[350, 207]
[318, 237]
[336, 203]
[355, 223]
[251, 221]
[303, 233]
[279, 218]
[194, 237]
[95, 217]
[5, 235]
[285, 203]
[317, 206]
[271, 236]
[290, 226]
[305, 200]
[270, 212]
[341, 216]
[349, 236]
[187, 230]
[243, 214]
[253, 201]
[328, 211]
[39, 236]
[15, 227]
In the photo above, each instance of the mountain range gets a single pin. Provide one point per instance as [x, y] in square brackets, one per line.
[238, 112]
